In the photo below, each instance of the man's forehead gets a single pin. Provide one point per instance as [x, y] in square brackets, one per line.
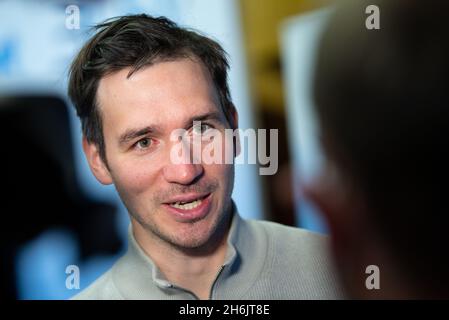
[159, 69]
[183, 78]
[106, 90]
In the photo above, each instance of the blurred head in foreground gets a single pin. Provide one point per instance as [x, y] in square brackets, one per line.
[382, 101]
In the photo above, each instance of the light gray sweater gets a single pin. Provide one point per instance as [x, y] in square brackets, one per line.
[265, 260]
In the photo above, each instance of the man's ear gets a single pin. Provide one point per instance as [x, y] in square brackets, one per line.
[235, 126]
[328, 205]
[340, 207]
[96, 163]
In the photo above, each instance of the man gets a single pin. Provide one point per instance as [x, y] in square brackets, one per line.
[134, 84]
[383, 105]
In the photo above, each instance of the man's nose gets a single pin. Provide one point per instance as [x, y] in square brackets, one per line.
[184, 173]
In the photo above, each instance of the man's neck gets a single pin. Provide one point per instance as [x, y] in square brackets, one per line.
[191, 269]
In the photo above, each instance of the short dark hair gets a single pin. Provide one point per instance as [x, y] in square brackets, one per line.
[382, 100]
[137, 41]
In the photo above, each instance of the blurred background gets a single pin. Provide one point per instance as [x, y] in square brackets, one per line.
[55, 214]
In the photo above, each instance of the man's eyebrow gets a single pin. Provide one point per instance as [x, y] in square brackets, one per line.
[213, 115]
[132, 134]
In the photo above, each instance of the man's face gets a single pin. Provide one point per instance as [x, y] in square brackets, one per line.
[182, 204]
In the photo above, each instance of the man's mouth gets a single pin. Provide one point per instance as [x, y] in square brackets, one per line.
[186, 205]
[190, 207]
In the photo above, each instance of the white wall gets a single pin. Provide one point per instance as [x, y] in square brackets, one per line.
[300, 37]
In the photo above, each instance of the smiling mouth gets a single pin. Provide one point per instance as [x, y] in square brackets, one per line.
[189, 208]
[188, 205]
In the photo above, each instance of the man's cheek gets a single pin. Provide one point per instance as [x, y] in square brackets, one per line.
[132, 185]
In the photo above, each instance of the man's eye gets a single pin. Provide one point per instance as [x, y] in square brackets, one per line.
[143, 143]
[201, 129]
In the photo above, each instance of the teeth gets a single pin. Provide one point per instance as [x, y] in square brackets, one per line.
[186, 205]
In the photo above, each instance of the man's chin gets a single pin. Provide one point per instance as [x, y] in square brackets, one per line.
[191, 243]
[200, 236]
